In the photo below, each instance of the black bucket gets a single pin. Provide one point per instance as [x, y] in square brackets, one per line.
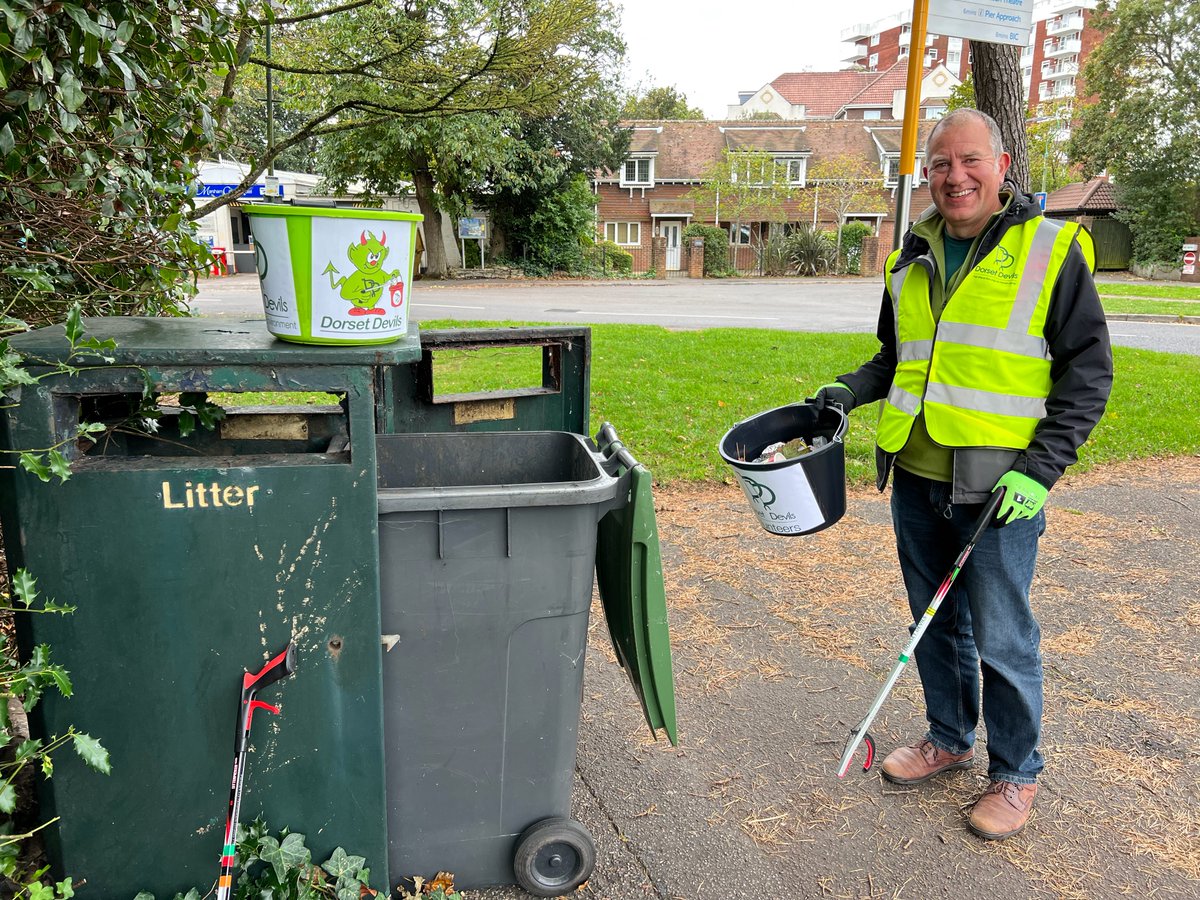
[794, 496]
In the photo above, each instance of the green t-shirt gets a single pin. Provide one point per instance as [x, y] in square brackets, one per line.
[921, 455]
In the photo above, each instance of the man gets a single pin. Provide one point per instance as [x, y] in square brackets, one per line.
[994, 367]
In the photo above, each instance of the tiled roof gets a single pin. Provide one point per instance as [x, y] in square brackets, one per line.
[686, 149]
[890, 136]
[1096, 195]
[882, 91]
[644, 139]
[676, 207]
[769, 138]
[822, 93]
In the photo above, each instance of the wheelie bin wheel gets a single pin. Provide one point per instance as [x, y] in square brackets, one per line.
[554, 856]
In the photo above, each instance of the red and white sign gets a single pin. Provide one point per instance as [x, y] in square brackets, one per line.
[1189, 258]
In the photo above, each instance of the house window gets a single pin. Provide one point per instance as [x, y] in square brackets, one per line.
[872, 114]
[931, 56]
[796, 170]
[627, 234]
[637, 172]
[739, 235]
[874, 40]
[873, 60]
[891, 171]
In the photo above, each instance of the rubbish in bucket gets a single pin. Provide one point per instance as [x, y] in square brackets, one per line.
[334, 276]
[797, 495]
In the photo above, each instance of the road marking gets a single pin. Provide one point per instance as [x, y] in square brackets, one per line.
[589, 312]
[444, 306]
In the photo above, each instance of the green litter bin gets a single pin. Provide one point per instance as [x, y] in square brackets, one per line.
[191, 557]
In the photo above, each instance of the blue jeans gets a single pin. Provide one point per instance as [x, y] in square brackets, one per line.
[985, 623]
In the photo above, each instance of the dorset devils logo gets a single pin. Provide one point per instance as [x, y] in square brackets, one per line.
[1004, 259]
[1000, 265]
[759, 492]
[363, 288]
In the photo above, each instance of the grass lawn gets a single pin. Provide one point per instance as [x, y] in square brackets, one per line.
[672, 394]
[1161, 291]
[1153, 307]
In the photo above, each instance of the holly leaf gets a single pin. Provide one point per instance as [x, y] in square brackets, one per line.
[187, 423]
[32, 462]
[25, 586]
[74, 325]
[59, 465]
[8, 799]
[92, 753]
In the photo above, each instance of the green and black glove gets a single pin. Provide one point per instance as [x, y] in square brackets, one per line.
[836, 393]
[1023, 498]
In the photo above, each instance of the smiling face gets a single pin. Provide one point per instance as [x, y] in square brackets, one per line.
[964, 176]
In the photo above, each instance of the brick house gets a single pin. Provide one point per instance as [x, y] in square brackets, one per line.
[650, 195]
[847, 94]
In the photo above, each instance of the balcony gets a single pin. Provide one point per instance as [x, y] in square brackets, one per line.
[906, 38]
[1064, 24]
[857, 53]
[856, 32]
[1065, 69]
[1068, 47]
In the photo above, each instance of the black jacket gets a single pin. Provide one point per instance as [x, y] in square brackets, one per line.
[1080, 370]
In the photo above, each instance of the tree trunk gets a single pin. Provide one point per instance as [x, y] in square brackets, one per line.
[435, 245]
[996, 71]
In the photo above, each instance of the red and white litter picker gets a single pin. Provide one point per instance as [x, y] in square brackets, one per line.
[859, 733]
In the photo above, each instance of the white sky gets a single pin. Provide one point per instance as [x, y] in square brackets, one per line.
[711, 49]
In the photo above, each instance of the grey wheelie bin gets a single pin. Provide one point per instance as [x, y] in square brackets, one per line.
[488, 543]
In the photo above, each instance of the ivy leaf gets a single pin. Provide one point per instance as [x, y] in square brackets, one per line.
[289, 854]
[340, 864]
[7, 142]
[92, 753]
[8, 799]
[25, 586]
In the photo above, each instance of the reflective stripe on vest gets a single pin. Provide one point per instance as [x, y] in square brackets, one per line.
[982, 373]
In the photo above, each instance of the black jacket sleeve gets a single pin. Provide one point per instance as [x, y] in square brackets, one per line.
[1081, 372]
[871, 380]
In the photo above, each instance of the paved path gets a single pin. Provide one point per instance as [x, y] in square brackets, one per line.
[780, 644]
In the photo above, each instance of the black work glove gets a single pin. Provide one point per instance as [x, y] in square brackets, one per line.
[831, 394]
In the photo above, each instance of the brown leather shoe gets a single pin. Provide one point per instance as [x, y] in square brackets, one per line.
[921, 761]
[1003, 810]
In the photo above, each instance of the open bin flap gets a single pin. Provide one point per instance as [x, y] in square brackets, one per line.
[630, 579]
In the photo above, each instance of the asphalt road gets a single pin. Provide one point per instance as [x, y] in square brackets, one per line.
[833, 305]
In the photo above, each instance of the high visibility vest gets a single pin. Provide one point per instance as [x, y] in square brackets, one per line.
[982, 372]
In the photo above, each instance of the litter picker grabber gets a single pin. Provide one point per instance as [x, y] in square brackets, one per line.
[859, 733]
[281, 666]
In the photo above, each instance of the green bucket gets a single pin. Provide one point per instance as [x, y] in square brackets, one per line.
[334, 276]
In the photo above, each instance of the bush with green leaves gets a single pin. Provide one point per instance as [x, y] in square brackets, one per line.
[270, 867]
[716, 248]
[105, 107]
[26, 682]
[609, 257]
[852, 238]
[810, 250]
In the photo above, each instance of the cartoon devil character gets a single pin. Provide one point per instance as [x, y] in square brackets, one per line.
[363, 287]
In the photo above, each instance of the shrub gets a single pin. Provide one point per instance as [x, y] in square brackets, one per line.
[716, 247]
[773, 255]
[810, 250]
[609, 257]
[852, 238]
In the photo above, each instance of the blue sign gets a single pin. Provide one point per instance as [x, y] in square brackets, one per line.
[1040, 197]
[254, 192]
[471, 228]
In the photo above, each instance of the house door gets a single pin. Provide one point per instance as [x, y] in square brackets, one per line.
[671, 231]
